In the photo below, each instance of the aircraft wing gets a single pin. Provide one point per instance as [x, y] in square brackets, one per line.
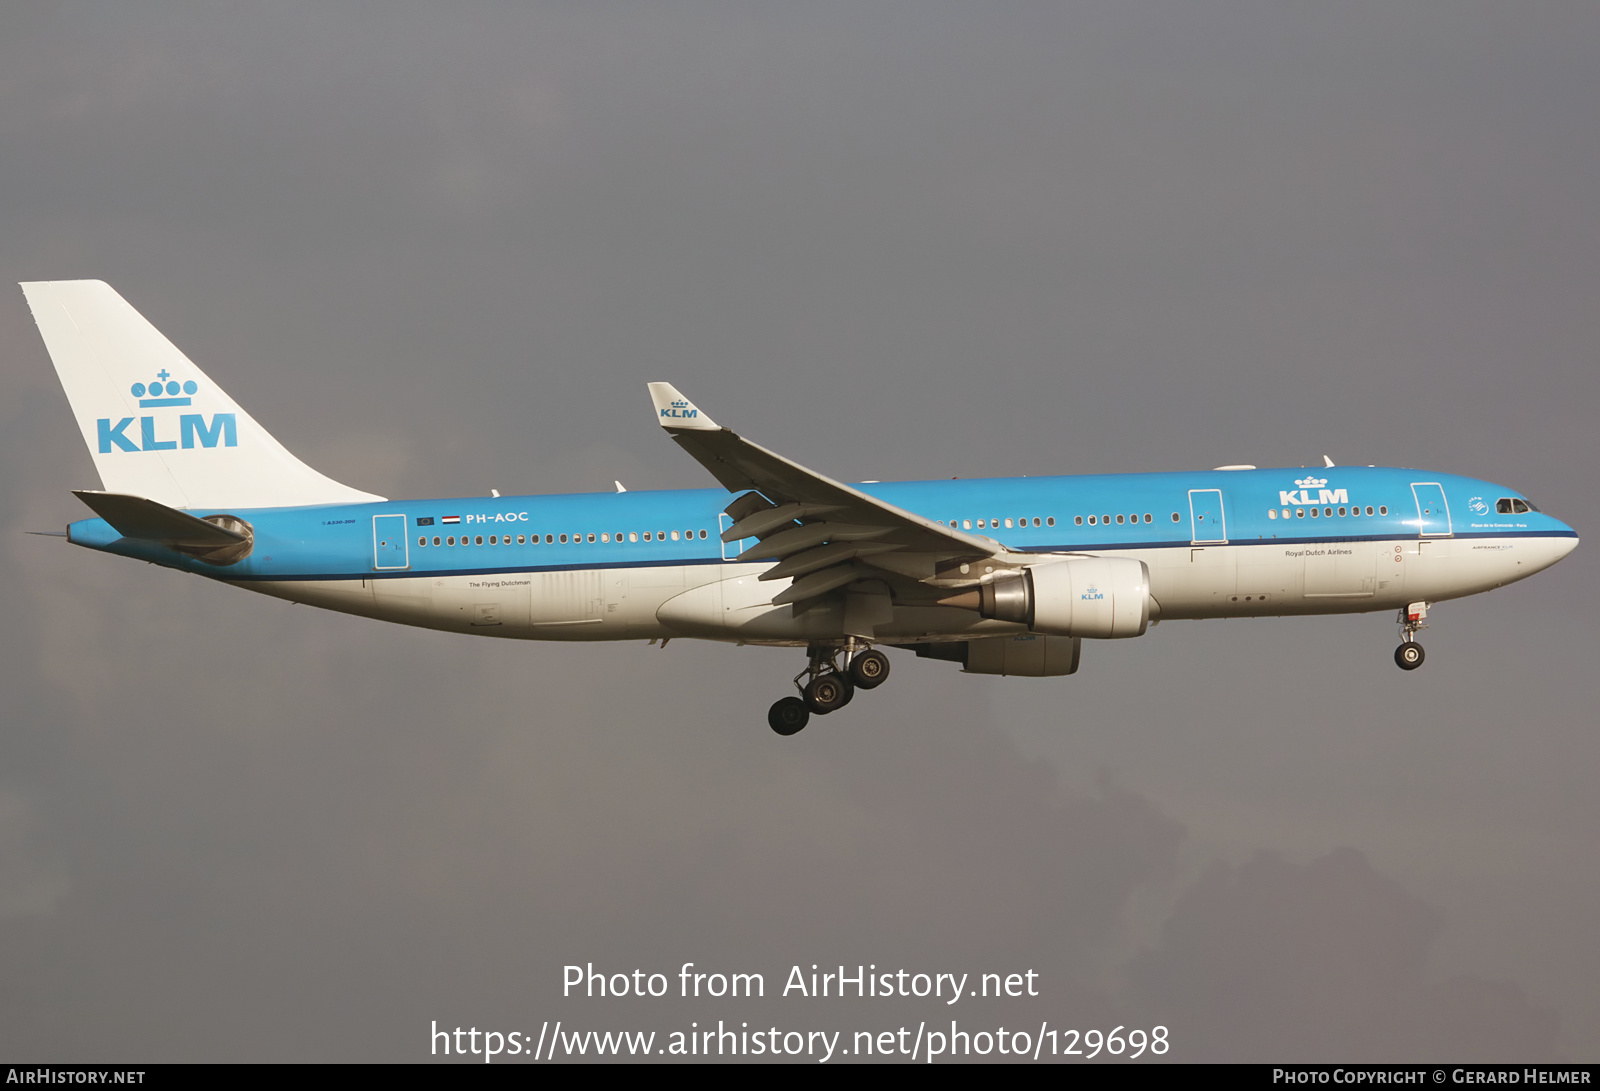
[823, 533]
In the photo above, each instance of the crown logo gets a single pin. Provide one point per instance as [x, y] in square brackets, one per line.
[680, 405]
[1311, 482]
[165, 390]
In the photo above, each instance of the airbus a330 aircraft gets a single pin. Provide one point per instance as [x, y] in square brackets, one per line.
[1004, 576]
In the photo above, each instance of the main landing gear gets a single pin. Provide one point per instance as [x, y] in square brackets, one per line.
[829, 687]
[1409, 655]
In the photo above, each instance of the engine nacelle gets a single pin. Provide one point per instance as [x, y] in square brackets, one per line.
[1027, 656]
[1106, 598]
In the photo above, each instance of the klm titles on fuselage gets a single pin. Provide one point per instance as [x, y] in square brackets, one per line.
[192, 427]
[1304, 495]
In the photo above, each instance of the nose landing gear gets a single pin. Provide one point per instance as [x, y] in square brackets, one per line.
[1409, 655]
[828, 688]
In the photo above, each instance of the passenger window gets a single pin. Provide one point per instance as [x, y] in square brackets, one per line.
[605, 536]
[422, 541]
[522, 539]
[1175, 518]
[1341, 513]
[966, 524]
[980, 524]
[1148, 517]
[494, 539]
[1008, 524]
[450, 541]
[647, 536]
[1094, 520]
[1299, 513]
[1383, 509]
[1119, 520]
[591, 538]
[436, 541]
[674, 536]
[1036, 521]
[1313, 513]
[1077, 519]
[1051, 521]
[1272, 513]
[702, 534]
[563, 539]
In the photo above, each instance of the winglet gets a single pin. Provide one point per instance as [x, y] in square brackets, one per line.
[677, 413]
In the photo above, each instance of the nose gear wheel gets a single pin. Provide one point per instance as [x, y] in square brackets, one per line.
[1409, 655]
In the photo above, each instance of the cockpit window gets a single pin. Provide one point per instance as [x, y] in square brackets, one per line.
[1510, 505]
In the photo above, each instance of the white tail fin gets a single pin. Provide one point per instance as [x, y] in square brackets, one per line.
[156, 426]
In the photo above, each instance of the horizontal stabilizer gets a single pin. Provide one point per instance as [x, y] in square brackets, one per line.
[136, 517]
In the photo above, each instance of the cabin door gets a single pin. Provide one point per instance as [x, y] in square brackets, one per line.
[1433, 514]
[389, 542]
[1207, 523]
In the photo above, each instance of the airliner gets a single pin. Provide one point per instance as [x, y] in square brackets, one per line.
[1002, 576]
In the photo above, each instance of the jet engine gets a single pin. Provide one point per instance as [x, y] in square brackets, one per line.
[1106, 598]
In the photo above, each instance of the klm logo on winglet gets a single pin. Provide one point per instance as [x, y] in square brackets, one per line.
[1322, 496]
[166, 392]
[681, 410]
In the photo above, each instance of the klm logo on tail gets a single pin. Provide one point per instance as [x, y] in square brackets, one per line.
[192, 427]
[680, 409]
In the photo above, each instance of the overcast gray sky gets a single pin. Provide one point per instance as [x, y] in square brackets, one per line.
[438, 250]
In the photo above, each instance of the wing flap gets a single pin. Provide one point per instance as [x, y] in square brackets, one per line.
[767, 520]
[776, 547]
[819, 583]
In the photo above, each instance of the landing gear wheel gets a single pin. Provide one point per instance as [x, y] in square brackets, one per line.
[828, 692]
[869, 670]
[788, 715]
[1409, 656]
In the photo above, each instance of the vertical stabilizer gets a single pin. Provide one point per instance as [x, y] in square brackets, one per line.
[155, 424]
